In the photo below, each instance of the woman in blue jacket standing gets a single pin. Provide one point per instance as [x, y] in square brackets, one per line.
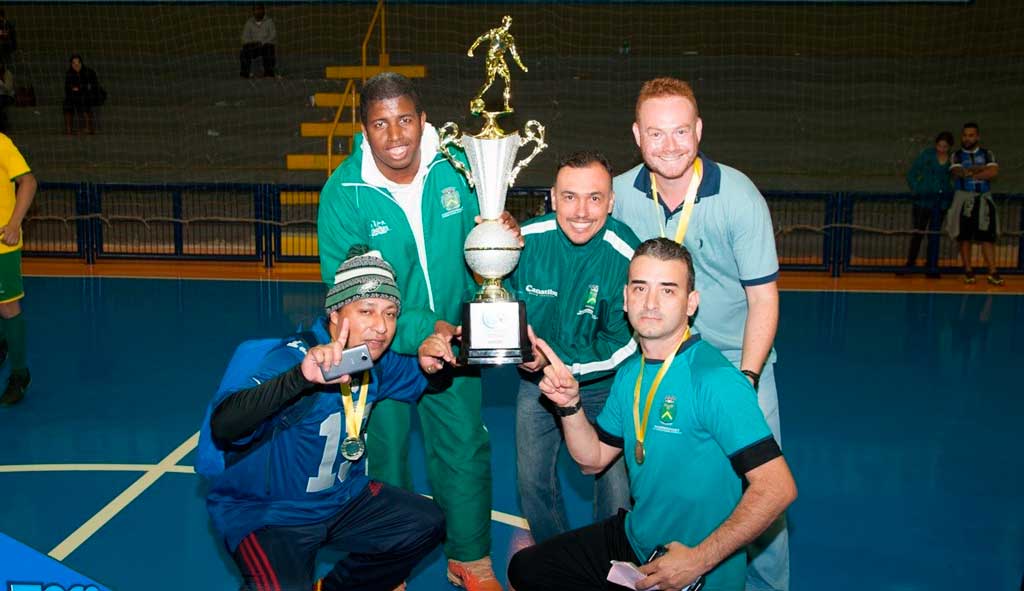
[930, 186]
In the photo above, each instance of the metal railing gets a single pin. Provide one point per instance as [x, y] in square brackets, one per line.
[827, 232]
[349, 95]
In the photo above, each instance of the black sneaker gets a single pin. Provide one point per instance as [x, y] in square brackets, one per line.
[996, 279]
[969, 278]
[16, 387]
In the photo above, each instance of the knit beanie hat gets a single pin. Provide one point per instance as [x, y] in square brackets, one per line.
[364, 274]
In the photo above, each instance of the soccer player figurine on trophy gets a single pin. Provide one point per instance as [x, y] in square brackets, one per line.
[493, 324]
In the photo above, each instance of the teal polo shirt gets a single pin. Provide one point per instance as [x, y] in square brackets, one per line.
[704, 421]
[730, 238]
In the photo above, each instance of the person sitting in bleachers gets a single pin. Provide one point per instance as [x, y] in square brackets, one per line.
[82, 92]
[258, 38]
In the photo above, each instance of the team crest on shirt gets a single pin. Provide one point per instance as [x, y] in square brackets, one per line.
[451, 201]
[667, 417]
[590, 303]
[667, 414]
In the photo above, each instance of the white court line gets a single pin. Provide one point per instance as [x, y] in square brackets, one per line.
[87, 529]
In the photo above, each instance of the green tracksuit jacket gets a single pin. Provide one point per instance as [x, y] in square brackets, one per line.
[434, 281]
[573, 295]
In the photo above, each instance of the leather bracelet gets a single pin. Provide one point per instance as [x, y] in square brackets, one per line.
[753, 375]
[568, 411]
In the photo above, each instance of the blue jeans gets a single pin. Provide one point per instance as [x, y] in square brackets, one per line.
[768, 555]
[538, 442]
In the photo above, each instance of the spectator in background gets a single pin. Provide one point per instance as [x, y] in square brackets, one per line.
[6, 94]
[973, 212]
[81, 92]
[930, 186]
[8, 39]
[258, 38]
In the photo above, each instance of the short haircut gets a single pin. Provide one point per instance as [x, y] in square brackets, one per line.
[664, 87]
[945, 136]
[583, 159]
[664, 249]
[384, 86]
[972, 125]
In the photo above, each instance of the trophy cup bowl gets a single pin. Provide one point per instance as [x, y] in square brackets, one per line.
[493, 324]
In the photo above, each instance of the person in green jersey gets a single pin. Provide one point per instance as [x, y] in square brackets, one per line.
[398, 195]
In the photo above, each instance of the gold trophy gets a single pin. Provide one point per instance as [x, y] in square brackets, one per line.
[493, 324]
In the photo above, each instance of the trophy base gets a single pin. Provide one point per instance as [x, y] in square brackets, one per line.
[494, 333]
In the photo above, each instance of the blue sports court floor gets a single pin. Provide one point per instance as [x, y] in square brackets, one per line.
[901, 420]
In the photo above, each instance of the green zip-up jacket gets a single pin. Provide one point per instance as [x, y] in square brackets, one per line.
[573, 295]
[433, 283]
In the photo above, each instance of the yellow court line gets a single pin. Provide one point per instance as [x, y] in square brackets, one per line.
[12, 468]
[87, 529]
[159, 469]
[506, 518]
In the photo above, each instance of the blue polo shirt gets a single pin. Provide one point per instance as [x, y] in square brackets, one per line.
[703, 418]
[730, 238]
[976, 157]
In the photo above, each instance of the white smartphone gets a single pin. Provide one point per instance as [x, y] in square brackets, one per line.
[352, 360]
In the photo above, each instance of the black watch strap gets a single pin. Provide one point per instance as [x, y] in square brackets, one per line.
[568, 411]
[753, 375]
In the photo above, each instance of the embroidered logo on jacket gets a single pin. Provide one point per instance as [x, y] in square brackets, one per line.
[378, 228]
[590, 304]
[547, 293]
[451, 201]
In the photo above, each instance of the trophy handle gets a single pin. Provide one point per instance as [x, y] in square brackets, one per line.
[533, 131]
[449, 135]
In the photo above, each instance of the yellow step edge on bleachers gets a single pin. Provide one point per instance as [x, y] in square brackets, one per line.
[312, 161]
[332, 99]
[300, 197]
[322, 129]
[347, 72]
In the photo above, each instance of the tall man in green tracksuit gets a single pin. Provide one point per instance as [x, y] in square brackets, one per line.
[399, 196]
[571, 274]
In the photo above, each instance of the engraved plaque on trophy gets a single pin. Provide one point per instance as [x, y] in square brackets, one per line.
[493, 324]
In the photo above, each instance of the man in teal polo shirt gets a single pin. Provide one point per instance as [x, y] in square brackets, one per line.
[692, 434]
[722, 219]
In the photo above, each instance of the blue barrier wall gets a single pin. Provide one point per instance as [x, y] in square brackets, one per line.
[815, 231]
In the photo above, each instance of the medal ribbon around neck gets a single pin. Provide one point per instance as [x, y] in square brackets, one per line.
[354, 416]
[688, 202]
[641, 427]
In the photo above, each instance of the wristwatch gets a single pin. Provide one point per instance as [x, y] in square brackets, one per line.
[568, 411]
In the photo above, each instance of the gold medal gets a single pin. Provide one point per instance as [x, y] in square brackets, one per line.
[640, 426]
[353, 447]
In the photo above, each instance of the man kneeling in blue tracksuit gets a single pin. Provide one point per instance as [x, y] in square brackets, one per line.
[295, 479]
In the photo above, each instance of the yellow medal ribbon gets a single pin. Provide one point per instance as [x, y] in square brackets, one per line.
[641, 427]
[688, 202]
[354, 416]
